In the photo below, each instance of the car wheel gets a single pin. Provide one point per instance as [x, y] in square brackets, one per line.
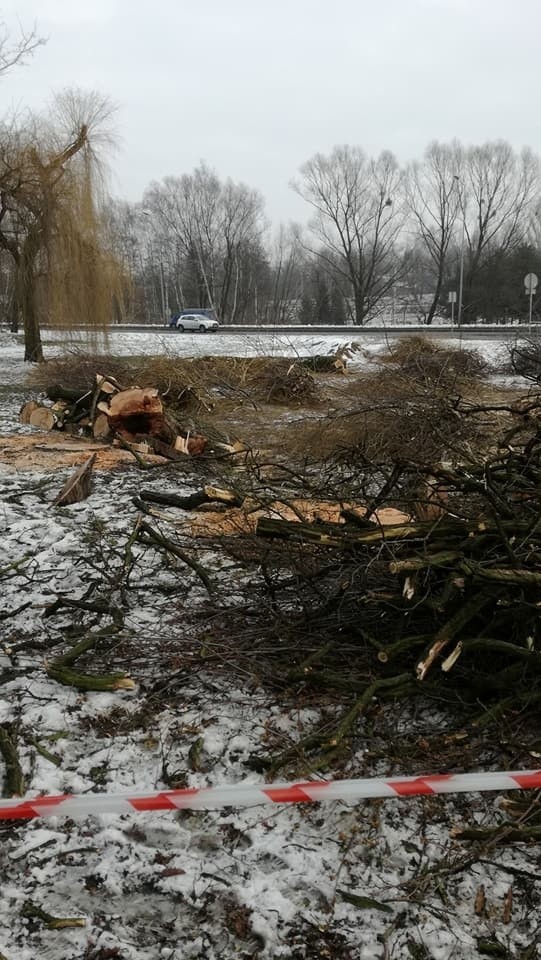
[202, 328]
[180, 328]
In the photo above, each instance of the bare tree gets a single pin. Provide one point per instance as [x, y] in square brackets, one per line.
[359, 212]
[242, 223]
[434, 202]
[127, 232]
[287, 270]
[50, 222]
[15, 52]
[215, 227]
[499, 191]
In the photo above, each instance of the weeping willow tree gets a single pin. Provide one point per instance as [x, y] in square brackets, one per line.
[51, 218]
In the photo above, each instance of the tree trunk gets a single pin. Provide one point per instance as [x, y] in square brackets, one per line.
[436, 298]
[359, 306]
[33, 349]
[14, 311]
[26, 296]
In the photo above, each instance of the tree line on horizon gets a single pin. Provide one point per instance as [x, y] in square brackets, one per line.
[380, 239]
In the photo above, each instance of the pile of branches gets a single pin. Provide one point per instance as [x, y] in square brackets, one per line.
[525, 358]
[429, 362]
[197, 383]
[444, 603]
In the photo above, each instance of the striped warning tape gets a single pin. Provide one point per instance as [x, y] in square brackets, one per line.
[248, 794]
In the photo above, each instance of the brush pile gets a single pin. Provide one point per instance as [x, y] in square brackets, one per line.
[443, 604]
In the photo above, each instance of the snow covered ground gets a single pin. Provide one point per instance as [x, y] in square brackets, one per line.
[352, 882]
[159, 341]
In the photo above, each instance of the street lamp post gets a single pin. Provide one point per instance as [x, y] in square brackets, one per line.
[461, 278]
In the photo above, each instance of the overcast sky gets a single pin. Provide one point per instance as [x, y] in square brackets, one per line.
[255, 87]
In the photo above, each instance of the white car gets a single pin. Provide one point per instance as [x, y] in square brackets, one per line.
[196, 321]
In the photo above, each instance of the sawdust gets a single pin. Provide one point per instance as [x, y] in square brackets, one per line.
[54, 452]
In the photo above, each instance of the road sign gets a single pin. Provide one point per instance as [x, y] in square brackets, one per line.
[452, 296]
[530, 282]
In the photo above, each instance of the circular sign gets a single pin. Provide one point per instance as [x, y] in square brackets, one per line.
[530, 282]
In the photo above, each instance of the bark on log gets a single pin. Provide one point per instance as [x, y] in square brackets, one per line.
[207, 495]
[333, 535]
[72, 395]
[14, 784]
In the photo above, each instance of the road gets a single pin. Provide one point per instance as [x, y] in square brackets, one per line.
[487, 332]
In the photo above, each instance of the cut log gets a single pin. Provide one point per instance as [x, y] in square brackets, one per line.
[333, 534]
[135, 401]
[107, 384]
[136, 411]
[72, 429]
[166, 450]
[138, 447]
[43, 417]
[207, 495]
[57, 392]
[100, 428]
[196, 445]
[27, 409]
[192, 444]
[78, 486]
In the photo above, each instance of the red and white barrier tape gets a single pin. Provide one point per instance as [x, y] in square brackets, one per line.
[248, 794]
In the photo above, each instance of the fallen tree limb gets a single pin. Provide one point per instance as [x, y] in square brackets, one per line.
[55, 392]
[130, 447]
[33, 912]
[14, 782]
[151, 537]
[61, 670]
[443, 559]
[501, 575]
[208, 494]
[332, 739]
[333, 535]
[86, 681]
[502, 834]
[453, 626]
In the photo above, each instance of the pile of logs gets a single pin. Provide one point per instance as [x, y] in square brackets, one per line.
[133, 416]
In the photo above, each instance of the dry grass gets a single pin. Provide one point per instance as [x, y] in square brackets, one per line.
[428, 362]
[524, 359]
[388, 415]
[185, 381]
